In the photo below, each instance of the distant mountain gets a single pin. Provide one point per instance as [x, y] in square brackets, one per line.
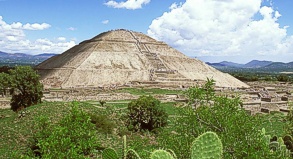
[14, 59]
[279, 65]
[257, 64]
[231, 64]
[3, 54]
[251, 64]
[45, 55]
[254, 65]
[225, 64]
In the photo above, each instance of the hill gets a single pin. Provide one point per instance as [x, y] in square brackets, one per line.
[254, 66]
[9, 59]
[257, 64]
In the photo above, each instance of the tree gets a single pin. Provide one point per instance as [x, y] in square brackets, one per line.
[26, 89]
[4, 83]
[283, 78]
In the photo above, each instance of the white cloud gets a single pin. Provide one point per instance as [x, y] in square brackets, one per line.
[61, 39]
[71, 28]
[222, 28]
[36, 26]
[129, 4]
[13, 39]
[105, 21]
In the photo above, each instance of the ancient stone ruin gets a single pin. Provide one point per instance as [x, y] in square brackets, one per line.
[122, 57]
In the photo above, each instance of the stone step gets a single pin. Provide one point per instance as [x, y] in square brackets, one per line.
[167, 76]
[172, 79]
[284, 109]
[165, 71]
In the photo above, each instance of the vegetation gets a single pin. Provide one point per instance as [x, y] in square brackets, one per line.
[4, 83]
[72, 137]
[25, 87]
[145, 113]
[23, 84]
[238, 131]
[207, 145]
[261, 76]
[90, 130]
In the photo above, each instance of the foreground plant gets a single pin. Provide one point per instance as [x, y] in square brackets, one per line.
[73, 137]
[238, 131]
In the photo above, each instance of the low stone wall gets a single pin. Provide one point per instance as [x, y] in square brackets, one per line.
[4, 104]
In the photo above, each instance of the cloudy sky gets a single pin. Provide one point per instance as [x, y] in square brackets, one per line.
[211, 30]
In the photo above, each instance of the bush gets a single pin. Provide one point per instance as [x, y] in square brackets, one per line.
[145, 113]
[283, 78]
[103, 123]
[26, 89]
[73, 137]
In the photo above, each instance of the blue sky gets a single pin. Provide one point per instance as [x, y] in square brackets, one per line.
[212, 30]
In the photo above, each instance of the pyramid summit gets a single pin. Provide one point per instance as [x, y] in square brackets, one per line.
[122, 56]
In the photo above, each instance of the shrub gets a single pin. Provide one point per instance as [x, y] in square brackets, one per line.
[283, 78]
[103, 123]
[73, 137]
[102, 102]
[26, 89]
[145, 113]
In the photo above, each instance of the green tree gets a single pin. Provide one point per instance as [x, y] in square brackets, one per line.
[26, 89]
[4, 83]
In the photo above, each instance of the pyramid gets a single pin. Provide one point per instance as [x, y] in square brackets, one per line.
[121, 56]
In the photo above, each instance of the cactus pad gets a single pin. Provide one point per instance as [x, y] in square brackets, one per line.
[131, 154]
[207, 146]
[109, 153]
[274, 145]
[161, 154]
[172, 153]
[287, 138]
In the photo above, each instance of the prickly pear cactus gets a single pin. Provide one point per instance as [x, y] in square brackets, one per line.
[131, 154]
[287, 138]
[109, 153]
[267, 139]
[274, 138]
[161, 154]
[172, 153]
[289, 145]
[207, 146]
[274, 145]
[281, 141]
[124, 147]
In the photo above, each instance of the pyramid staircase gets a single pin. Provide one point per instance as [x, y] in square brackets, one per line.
[160, 72]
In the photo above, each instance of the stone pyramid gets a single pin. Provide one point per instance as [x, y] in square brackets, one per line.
[119, 57]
